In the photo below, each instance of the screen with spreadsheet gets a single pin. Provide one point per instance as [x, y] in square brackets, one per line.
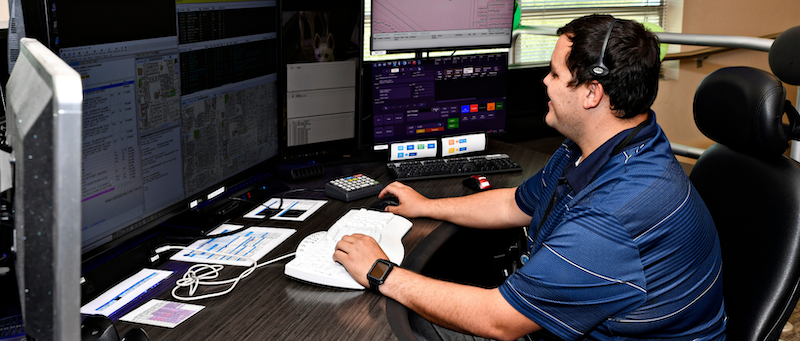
[408, 25]
[417, 99]
[180, 100]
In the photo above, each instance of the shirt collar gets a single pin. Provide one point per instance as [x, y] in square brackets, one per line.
[578, 177]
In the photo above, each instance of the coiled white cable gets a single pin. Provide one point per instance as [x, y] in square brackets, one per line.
[196, 275]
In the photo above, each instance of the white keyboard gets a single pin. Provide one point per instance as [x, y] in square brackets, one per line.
[314, 263]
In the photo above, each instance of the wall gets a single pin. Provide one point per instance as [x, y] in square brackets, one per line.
[725, 17]
[3, 14]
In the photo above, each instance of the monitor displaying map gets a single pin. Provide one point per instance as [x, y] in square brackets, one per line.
[412, 25]
[180, 101]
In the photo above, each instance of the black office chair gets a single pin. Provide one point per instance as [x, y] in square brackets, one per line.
[753, 193]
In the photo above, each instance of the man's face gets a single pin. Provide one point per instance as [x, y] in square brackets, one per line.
[565, 102]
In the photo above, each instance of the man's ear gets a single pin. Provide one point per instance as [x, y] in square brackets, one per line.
[594, 95]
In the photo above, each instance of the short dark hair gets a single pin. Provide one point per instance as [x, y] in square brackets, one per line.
[632, 57]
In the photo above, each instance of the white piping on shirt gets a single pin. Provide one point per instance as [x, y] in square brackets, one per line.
[679, 310]
[594, 273]
[544, 312]
[685, 200]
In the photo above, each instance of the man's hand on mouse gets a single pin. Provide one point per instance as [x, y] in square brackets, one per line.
[357, 253]
[412, 204]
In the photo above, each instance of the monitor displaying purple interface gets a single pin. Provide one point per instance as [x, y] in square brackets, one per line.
[418, 99]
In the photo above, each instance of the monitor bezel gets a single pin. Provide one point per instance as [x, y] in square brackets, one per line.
[46, 198]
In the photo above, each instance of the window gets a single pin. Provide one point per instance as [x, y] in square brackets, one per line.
[530, 48]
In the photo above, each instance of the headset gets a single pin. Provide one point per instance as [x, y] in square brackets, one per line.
[599, 69]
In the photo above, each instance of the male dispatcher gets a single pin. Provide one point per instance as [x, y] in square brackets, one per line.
[620, 245]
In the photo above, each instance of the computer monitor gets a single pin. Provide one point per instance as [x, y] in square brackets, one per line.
[180, 105]
[412, 25]
[321, 56]
[43, 116]
[425, 99]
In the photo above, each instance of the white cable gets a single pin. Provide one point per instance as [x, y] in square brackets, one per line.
[197, 273]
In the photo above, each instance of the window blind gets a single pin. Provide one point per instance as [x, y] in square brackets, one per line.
[531, 48]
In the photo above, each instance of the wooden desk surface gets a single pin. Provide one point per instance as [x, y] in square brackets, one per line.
[268, 305]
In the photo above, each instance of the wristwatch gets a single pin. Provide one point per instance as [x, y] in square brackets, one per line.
[377, 275]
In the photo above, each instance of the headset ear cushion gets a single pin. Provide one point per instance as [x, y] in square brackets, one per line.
[599, 70]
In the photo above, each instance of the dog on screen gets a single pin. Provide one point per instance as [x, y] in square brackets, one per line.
[323, 51]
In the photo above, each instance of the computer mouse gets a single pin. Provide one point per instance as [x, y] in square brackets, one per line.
[98, 328]
[380, 205]
[477, 182]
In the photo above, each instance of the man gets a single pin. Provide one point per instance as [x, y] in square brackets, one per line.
[620, 245]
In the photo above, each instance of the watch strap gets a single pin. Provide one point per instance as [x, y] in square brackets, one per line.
[374, 286]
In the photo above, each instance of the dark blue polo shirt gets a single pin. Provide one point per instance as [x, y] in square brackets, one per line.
[632, 252]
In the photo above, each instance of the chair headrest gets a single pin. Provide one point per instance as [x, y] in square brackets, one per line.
[742, 108]
[784, 55]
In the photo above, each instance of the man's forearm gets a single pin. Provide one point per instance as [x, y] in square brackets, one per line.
[463, 308]
[495, 209]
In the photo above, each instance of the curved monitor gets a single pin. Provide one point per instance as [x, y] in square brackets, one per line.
[180, 104]
[413, 25]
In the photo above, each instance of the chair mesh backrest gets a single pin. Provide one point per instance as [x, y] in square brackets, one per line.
[753, 194]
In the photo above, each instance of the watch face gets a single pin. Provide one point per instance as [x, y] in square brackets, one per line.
[379, 270]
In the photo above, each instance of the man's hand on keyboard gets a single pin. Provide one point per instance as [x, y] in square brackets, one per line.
[357, 253]
[411, 202]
